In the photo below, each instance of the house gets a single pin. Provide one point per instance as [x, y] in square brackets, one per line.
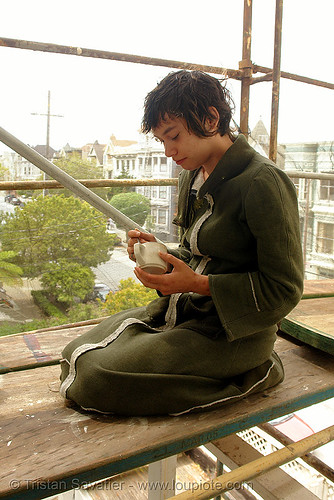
[315, 197]
[147, 159]
[21, 169]
[67, 151]
[95, 154]
[259, 139]
[316, 204]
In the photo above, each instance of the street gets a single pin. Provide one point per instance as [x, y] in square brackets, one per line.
[110, 273]
[119, 267]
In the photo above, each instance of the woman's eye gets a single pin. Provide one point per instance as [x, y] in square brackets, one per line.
[174, 138]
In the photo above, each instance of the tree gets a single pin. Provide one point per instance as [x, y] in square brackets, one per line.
[121, 189]
[67, 281]
[3, 172]
[10, 273]
[130, 294]
[134, 205]
[55, 228]
[78, 168]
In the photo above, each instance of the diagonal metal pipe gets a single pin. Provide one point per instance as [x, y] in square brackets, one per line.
[66, 180]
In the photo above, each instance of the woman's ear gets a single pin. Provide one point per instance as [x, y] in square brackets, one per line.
[212, 122]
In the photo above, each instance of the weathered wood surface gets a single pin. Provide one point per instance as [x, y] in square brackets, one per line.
[28, 350]
[318, 288]
[312, 322]
[43, 440]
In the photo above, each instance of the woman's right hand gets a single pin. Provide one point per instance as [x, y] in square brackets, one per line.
[134, 235]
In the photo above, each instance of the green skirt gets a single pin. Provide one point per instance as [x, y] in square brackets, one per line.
[128, 366]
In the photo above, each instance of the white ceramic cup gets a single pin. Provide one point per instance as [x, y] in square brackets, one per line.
[148, 259]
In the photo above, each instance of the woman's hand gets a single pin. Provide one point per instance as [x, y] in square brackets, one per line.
[134, 235]
[181, 279]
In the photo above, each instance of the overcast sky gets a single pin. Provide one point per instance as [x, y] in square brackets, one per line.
[98, 98]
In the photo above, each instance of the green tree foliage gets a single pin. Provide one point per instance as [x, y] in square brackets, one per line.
[85, 311]
[121, 189]
[78, 168]
[130, 294]
[134, 205]
[55, 228]
[3, 172]
[67, 281]
[10, 274]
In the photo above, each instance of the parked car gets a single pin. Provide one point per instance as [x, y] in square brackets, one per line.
[100, 291]
[17, 202]
[9, 197]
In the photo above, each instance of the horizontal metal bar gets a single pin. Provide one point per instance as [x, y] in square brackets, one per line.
[116, 56]
[152, 61]
[311, 460]
[265, 78]
[292, 76]
[91, 183]
[260, 466]
[310, 175]
[95, 183]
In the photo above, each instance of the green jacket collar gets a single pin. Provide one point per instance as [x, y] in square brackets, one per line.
[231, 164]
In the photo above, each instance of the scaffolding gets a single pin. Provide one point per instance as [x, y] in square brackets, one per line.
[245, 73]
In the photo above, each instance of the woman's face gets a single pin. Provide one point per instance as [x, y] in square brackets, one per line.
[184, 147]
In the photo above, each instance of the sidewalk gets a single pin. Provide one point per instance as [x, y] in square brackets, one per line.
[25, 309]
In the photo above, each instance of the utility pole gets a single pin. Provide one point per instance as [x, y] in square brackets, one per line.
[48, 116]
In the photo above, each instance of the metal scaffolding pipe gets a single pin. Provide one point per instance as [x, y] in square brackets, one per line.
[152, 61]
[246, 66]
[90, 183]
[116, 56]
[292, 76]
[276, 81]
[66, 180]
[310, 459]
[98, 183]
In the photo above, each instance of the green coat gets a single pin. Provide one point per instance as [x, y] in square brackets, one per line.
[188, 352]
[250, 232]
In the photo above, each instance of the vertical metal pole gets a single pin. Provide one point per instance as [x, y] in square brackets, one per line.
[48, 128]
[276, 81]
[47, 153]
[246, 66]
[306, 223]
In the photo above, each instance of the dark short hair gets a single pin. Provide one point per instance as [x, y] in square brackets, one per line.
[189, 94]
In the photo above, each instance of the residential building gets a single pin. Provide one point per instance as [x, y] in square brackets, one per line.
[316, 203]
[21, 169]
[147, 159]
[67, 151]
[96, 154]
[315, 198]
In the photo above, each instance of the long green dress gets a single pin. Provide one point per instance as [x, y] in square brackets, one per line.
[188, 352]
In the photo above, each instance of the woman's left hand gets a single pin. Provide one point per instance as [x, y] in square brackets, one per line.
[181, 279]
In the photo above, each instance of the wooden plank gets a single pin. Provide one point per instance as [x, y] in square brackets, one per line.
[22, 351]
[274, 485]
[312, 322]
[318, 288]
[43, 438]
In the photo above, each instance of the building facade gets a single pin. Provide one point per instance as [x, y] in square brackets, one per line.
[315, 198]
[147, 160]
[20, 169]
[316, 203]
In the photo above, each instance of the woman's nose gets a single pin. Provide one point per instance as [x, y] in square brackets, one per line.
[170, 150]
